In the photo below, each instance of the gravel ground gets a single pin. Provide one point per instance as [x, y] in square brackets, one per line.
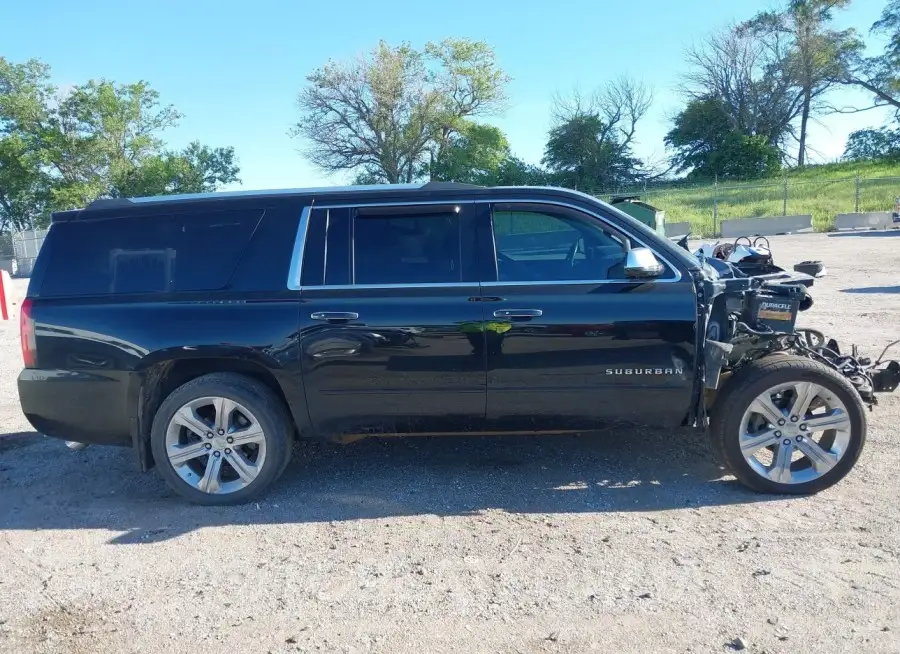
[616, 542]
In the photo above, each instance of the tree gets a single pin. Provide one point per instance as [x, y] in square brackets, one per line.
[589, 146]
[98, 134]
[706, 144]
[101, 139]
[196, 169]
[24, 186]
[752, 77]
[879, 75]
[867, 144]
[814, 56]
[391, 114]
[473, 155]
[512, 171]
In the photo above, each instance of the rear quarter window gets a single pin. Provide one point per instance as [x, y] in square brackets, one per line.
[148, 254]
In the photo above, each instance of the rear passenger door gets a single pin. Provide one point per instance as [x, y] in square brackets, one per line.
[392, 334]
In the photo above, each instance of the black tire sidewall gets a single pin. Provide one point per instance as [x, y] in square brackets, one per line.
[744, 394]
[259, 401]
[812, 268]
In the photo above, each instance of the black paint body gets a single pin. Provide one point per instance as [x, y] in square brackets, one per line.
[418, 359]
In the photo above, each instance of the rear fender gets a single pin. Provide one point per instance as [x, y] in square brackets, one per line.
[161, 372]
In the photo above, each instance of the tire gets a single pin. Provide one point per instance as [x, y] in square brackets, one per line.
[812, 268]
[263, 458]
[802, 476]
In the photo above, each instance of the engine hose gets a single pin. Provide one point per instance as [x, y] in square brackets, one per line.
[807, 332]
[744, 327]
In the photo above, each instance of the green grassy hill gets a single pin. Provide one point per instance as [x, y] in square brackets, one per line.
[821, 191]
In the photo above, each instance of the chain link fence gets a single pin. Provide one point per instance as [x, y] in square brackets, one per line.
[18, 250]
[707, 205]
[704, 206]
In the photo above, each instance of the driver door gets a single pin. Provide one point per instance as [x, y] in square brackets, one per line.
[572, 343]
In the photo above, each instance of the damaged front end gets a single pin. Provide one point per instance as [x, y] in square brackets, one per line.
[745, 318]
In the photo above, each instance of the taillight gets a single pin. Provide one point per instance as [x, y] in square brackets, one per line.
[26, 331]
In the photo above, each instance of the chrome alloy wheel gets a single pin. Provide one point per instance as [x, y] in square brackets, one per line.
[215, 445]
[795, 432]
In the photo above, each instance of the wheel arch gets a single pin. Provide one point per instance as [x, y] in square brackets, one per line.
[159, 375]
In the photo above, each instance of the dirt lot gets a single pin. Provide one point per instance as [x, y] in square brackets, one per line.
[615, 542]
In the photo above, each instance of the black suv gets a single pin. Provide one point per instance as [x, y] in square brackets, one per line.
[208, 332]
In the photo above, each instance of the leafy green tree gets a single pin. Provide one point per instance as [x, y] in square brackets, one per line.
[868, 144]
[879, 75]
[61, 151]
[24, 188]
[196, 169]
[25, 94]
[391, 114]
[473, 155]
[589, 146]
[814, 55]
[512, 171]
[751, 74]
[706, 143]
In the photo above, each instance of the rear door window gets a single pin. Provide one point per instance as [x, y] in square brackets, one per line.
[148, 254]
[407, 248]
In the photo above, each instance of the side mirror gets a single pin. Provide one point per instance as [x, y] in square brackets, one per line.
[641, 263]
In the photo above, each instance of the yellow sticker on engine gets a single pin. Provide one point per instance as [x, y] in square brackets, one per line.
[768, 314]
[774, 311]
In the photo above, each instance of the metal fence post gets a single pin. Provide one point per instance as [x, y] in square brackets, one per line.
[784, 204]
[856, 210]
[716, 206]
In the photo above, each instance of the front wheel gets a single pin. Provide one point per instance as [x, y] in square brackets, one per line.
[788, 424]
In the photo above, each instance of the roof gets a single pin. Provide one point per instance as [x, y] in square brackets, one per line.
[118, 203]
[117, 207]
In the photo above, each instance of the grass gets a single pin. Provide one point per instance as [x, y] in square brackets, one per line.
[820, 191]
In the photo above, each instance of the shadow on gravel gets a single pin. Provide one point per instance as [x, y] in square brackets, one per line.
[19, 439]
[877, 234]
[872, 289]
[48, 486]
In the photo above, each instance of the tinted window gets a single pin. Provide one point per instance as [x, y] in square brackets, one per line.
[337, 247]
[406, 249]
[156, 254]
[314, 249]
[551, 246]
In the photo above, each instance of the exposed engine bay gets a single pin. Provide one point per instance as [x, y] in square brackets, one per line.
[752, 310]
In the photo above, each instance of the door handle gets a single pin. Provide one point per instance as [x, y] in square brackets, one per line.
[332, 316]
[518, 313]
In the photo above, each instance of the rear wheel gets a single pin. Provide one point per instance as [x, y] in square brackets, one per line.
[788, 424]
[221, 439]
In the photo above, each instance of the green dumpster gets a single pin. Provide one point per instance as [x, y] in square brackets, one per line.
[645, 212]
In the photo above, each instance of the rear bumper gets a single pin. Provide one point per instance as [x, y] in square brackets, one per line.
[76, 406]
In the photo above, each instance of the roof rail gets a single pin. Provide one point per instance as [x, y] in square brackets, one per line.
[447, 186]
[110, 203]
[105, 204]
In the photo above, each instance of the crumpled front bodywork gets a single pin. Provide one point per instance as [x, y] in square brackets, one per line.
[733, 328]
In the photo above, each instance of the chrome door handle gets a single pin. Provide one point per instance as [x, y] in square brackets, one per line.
[518, 313]
[334, 315]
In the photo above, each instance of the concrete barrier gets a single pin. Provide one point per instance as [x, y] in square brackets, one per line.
[677, 229]
[768, 226]
[875, 220]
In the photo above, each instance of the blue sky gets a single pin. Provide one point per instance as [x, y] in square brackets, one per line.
[234, 68]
